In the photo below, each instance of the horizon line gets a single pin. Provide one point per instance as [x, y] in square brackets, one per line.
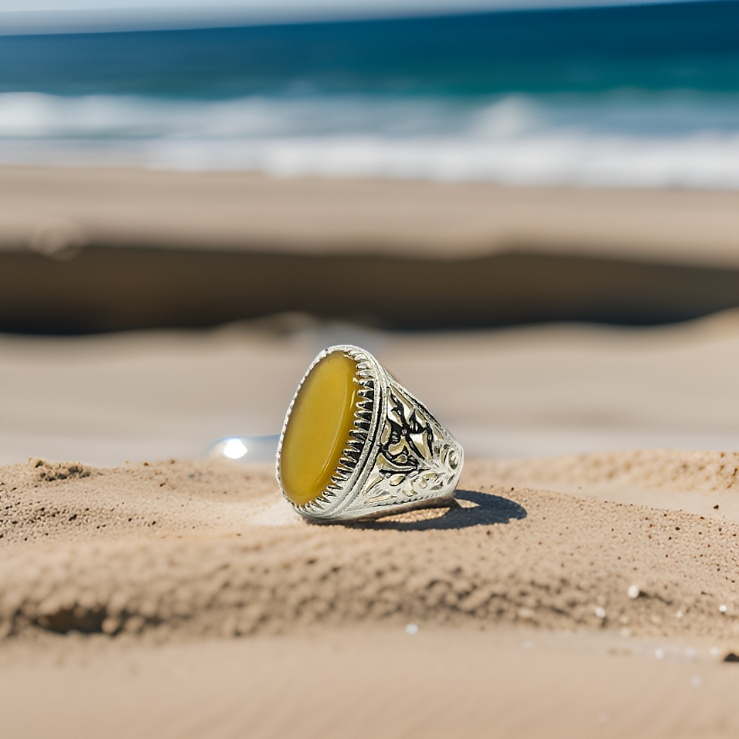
[122, 20]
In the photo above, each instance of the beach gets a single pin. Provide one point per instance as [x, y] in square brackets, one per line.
[527, 214]
[581, 344]
[177, 598]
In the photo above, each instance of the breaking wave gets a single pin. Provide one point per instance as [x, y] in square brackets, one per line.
[617, 139]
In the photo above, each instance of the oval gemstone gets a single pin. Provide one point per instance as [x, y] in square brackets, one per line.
[317, 431]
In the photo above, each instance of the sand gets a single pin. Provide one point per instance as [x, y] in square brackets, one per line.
[521, 393]
[209, 548]
[85, 250]
[376, 683]
[50, 209]
[204, 601]
[585, 582]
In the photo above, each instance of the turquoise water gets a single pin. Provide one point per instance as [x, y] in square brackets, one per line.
[641, 96]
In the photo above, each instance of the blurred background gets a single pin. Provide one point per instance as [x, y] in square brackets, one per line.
[463, 187]
[643, 95]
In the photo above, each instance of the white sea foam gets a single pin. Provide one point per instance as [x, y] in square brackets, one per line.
[627, 139]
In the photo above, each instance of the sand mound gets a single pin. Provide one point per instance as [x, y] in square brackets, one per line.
[696, 482]
[183, 549]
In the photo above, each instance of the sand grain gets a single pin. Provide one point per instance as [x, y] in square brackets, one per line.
[187, 549]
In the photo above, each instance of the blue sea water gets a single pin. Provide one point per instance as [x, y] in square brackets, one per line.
[637, 96]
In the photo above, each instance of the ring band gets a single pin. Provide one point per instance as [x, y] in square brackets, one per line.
[357, 445]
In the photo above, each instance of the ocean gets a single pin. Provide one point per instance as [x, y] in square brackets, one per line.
[633, 96]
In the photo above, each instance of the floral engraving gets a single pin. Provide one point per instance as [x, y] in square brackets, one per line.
[413, 462]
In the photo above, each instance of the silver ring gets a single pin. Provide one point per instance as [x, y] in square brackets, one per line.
[357, 445]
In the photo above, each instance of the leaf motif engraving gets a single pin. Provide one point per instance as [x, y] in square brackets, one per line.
[412, 461]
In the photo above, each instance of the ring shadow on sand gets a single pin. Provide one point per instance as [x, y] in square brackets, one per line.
[470, 508]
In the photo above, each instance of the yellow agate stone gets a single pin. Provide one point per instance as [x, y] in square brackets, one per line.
[317, 430]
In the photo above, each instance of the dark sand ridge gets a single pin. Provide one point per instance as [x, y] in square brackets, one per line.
[187, 549]
[95, 250]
